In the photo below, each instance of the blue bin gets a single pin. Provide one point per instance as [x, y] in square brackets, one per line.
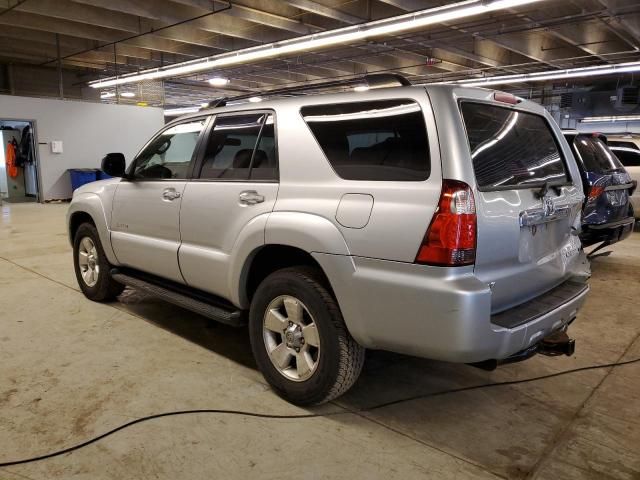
[82, 176]
[102, 176]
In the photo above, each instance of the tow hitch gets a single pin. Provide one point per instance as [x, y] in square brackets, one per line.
[558, 343]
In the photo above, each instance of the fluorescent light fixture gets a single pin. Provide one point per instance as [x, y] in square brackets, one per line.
[550, 75]
[174, 112]
[255, 99]
[340, 36]
[128, 94]
[613, 118]
[361, 88]
[218, 81]
[107, 95]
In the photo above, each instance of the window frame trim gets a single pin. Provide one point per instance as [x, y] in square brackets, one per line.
[408, 99]
[197, 167]
[194, 155]
[554, 135]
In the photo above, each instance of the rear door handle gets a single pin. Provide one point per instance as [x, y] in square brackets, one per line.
[250, 197]
[170, 194]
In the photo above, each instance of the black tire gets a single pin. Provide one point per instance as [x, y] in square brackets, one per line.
[106, 288]
[341, 358]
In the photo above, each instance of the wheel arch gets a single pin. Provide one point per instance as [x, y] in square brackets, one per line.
[88, 208]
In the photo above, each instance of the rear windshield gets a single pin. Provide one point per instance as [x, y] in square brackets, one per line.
[628, 157]
[511, 149]
[376, 140]
[595, 154]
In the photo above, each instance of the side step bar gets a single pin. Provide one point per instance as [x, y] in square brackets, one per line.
[196, 302]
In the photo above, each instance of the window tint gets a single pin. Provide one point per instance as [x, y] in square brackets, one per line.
[628, 157]
[511, 149]
[169, 154]
[230, 146]
[595, 154]
[383, 140]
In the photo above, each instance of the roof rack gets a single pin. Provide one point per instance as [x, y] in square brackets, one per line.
[373, 80]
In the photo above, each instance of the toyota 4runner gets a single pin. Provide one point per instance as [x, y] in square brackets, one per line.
[435, 221]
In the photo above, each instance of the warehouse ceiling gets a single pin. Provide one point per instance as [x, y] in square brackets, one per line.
[101, 38]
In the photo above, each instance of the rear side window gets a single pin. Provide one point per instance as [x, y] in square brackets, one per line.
[381, 140]
[511, 149]
[595, 154]
[620, 143]
[629, 158]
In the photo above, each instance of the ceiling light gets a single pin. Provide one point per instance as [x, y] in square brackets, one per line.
[204, 105]
[107, 95]
[550, 75]
[255, 99]
[614, 118]
[361, 88]
[218, 81]
[174, 112]
[340, 36]
[128, 94]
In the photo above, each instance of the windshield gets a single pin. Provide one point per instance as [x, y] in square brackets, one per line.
[595, 154]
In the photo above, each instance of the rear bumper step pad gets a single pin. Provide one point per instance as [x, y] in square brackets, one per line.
[545, 303]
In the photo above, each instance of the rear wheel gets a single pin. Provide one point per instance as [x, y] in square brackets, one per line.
[299, 339]
[91, 266]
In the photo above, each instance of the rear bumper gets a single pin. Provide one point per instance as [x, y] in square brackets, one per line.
[440, 313]
[611, 232]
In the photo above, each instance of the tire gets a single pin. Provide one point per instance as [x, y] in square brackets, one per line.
[101, 287]
[329, 369]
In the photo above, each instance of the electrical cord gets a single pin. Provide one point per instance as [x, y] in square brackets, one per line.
[309, 415]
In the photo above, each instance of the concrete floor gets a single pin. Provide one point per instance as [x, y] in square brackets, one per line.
[70, 369]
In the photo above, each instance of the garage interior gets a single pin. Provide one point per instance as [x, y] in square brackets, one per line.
[72, 369]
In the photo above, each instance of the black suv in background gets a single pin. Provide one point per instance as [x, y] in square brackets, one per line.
[607, 215]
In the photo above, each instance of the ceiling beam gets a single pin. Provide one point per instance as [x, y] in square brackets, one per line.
[324, 11]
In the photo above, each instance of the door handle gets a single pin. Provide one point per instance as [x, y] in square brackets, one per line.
[170, 194]
[250, 197]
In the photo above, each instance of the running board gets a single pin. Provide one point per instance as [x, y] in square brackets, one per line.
[228, 315]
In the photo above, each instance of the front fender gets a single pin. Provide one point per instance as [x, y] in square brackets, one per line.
[91, 204]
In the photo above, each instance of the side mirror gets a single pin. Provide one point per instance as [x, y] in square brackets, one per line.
[113, 164]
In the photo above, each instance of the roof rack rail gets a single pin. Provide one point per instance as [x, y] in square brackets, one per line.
[373, 80]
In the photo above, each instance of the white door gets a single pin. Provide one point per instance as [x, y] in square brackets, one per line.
[145, 218]
[237, 184]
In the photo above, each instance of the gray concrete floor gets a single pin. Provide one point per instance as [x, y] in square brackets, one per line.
[70, 369]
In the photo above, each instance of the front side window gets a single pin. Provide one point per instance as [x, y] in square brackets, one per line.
[510, 148]
[241, 147]
[377, 140]
[169, 154]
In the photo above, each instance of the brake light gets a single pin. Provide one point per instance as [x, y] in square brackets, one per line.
[505, 98]
[451, 238]
[594, 193]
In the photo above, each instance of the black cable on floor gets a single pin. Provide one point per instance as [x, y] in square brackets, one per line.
[309, 415]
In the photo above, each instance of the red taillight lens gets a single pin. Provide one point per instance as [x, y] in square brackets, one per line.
[594, 193]
[451, 237]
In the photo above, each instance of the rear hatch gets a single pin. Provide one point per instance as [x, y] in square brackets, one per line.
[607, 185]
[528, 207]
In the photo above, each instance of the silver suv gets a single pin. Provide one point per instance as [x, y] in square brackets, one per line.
[435, 221]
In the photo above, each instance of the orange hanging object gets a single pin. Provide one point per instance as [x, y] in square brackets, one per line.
[12, 168]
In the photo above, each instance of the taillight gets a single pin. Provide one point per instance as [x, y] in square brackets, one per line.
[451, 237]
[594, 193]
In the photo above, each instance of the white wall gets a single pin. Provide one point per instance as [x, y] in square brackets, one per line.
[88, 131]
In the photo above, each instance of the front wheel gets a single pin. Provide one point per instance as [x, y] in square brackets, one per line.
[91, 266]
[299, 339]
